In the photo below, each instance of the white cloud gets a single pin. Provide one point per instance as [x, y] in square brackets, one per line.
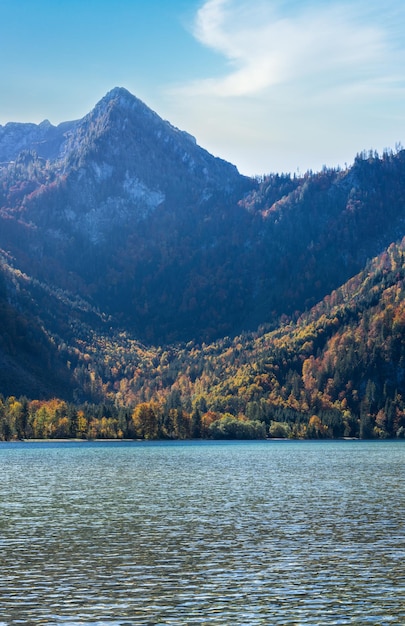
[298, 83]
[264, 46]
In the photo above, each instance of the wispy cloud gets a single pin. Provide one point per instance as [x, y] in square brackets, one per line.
[264, 45]
[297, 82]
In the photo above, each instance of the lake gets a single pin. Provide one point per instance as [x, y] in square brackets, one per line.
[270, 532]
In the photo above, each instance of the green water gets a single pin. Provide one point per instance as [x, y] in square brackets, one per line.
[231, 533]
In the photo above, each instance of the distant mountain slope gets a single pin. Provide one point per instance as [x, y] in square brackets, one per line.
[321, 229]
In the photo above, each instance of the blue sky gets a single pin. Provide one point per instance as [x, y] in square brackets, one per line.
[271, 86]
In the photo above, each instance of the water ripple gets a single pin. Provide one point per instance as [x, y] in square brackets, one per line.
[245, 533]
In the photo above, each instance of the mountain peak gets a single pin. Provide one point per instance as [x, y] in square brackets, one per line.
[121, 124]
[118, 92]
[121, 97]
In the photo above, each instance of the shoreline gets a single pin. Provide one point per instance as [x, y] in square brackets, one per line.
[128, 440]
[69, 439]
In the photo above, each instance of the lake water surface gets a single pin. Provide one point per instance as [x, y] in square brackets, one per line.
[233, 533]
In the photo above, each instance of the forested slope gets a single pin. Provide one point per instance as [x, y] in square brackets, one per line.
[339, 370]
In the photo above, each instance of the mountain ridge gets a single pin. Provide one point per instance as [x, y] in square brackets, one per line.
[44, 138]
[131, 240]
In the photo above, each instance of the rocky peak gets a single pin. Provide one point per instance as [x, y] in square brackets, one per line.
[122, 135]
[119, 96]
[44, 139]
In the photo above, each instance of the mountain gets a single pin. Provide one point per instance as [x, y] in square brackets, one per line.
[104, 216]
[138, 266]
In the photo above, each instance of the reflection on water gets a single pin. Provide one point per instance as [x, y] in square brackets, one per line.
[237, 533]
